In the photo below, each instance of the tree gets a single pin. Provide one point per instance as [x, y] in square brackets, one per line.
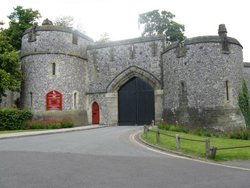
[10, 73]
[20, 20]
[64, 21]
[244, 103]
[104, 38]
[156, 23]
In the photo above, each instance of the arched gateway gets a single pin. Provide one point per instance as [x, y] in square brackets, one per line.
[135, 103]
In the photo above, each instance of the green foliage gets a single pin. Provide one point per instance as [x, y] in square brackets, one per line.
[50, 124]
[10, 73]
[177, 128]
[244, 103]
[12, 119]
[163, 125]
[20, 20]
[156, 23]
[240, 134]
[198, 148]
[67, 123]
[206, 132]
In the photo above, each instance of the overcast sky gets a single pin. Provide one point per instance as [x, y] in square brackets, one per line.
[119, 18]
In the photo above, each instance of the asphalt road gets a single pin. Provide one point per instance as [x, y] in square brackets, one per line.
[104, 158]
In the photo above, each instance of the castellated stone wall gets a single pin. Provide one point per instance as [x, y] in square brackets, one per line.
[112, 64]
[108, 60]
[202, 82]
[54, 45]
[195, 82]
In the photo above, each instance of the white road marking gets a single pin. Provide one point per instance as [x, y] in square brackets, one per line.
[132, 139]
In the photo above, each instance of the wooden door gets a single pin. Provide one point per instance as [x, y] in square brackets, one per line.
[135, 103]
[95, 113]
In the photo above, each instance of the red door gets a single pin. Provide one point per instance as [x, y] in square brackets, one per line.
[95, 113]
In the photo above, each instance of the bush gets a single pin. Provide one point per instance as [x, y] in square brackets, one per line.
[234, 133]
[13, 119]
[241, 134]
[67, 123]
[244, 103]
[178, 128]
[163, 125]
[50, 124]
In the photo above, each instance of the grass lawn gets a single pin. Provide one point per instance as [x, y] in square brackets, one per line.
[198, 148]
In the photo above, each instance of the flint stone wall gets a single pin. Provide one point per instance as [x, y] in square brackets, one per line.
[107, 61]
[194, 84]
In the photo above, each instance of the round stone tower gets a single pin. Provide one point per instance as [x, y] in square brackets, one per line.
[202, 77]
[54, 64]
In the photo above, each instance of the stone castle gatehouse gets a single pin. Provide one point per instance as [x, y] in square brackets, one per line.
[195, 82]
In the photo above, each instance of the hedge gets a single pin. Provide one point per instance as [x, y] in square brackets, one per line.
[13, 119]
[50, 124]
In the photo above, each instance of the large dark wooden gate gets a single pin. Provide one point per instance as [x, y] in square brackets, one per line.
[136, 103]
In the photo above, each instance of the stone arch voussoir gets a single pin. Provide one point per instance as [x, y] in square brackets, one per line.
[129, 73]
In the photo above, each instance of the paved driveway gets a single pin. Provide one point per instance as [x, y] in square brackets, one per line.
[104, 158]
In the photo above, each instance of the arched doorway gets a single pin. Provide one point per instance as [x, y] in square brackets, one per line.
[135, 103]
[95, 113]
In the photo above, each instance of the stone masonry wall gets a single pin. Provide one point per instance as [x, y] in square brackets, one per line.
[55, 45]
[39, 80]
[55, 40]
[195, 88]
[106, 61]
[200, 77]
[246, 74]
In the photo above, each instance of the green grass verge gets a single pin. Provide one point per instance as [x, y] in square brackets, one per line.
[198, 148]
[20, 131]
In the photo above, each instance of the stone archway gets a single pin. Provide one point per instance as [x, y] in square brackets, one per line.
[95, 113]
[131, 72]
[123, 78]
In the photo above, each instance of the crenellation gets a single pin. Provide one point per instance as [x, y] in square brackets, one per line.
[193, 82]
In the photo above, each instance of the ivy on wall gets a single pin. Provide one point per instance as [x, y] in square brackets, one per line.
[244, 103]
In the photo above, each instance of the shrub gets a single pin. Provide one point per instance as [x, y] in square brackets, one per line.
[50, 124]
[233, 133]
[178, 128]
[163, 125]
[241, 134]
[67, 123]
[13, 119]
[207, 132]
[244, 103]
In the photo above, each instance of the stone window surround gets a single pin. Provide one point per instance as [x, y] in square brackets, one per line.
[54, 73]
[75, 100]
[228, 91]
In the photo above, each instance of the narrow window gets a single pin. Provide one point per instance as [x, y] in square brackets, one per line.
[182, 87]
[74, 37]
[154, 49]
[227, 90]
[53, 68]
[132, 52]
[112, 54]
[31, 99]
[74, 103]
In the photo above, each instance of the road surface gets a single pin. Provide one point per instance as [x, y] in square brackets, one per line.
[104, 158]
